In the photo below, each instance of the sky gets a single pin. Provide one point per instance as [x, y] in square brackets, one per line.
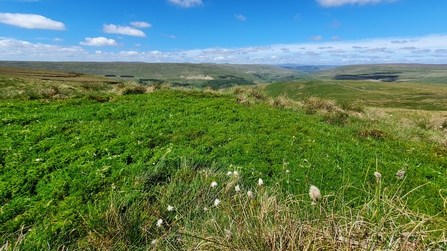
[318, 32]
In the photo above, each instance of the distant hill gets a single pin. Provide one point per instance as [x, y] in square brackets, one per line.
[420, 73]
[176, 73]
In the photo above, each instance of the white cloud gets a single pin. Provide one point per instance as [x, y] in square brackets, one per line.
[98, 41]
[57, 39]
[316, 38]
[240, 17]
[186, 3]
[332, 3]
[141, 25]
[124, 30]
[425, 49]
[30, 21]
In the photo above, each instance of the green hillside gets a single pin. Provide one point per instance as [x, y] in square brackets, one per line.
[176, 73]
[419, 73]
[155, 171]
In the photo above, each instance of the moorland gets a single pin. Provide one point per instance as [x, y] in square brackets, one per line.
[164, 159]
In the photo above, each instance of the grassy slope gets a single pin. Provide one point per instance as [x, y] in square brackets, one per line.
[368, 93]
[97, 171]
[420, 73]
[61, 160]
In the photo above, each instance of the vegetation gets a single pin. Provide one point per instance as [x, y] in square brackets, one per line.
[174, 169]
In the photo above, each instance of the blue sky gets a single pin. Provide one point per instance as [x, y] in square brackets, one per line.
[225, 31]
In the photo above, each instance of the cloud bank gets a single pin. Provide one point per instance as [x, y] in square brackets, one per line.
[429, 49]
[30, 21]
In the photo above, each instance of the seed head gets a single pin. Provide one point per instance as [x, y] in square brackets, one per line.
[236, 174]
[216, 202]
[250, 194]
[170, 208]
[260, 182]
[400, 174]
[230, 173]
[159, 222]
[314, 193]
[237, 188]
[213, 184]
[378, 175]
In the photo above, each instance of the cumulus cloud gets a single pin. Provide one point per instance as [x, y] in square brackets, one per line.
[316, 38]
[98, 41]
[124, 30]
[240, 17]
[141, 25]
[30, 21]
[186, 3]
[332, 3]
[335, 38]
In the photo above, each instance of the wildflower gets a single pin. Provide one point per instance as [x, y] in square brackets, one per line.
[170, 208]
[236, 174]
[400, 174]
[216, 202]
[237, 188]
[229, 173]
[213, 184]
[287, 171]
[205, 209]
[260, 182]
[39, 160]
[250, 194]
[153, 242]
[314, 193]
[378, 175]
[159, 222]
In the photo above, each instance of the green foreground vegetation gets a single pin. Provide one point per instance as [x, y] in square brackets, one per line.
[87, 167]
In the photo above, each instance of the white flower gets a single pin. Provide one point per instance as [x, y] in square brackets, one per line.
[213, 184]
[287, 171]
[236, 174]
[260, 182]
[229, 173]
[237, 188]
[216, 202]
[170, 208]
[39, 160]
[154, 242]
[250, 194]
[205, 209]
[159, 222]
[378, 175]
[314, 193]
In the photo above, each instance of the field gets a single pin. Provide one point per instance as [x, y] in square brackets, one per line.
[120, 166]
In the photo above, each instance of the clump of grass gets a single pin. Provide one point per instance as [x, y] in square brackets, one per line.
[203, 210]
[314, 104]
[374, 133]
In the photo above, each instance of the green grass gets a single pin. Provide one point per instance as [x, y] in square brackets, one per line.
[67, 163]
[89, 167]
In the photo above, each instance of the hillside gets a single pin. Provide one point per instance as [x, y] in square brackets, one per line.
[419, 73]
[183, 169]
[178, 74]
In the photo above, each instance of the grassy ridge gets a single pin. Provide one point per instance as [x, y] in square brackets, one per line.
[63, 160]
